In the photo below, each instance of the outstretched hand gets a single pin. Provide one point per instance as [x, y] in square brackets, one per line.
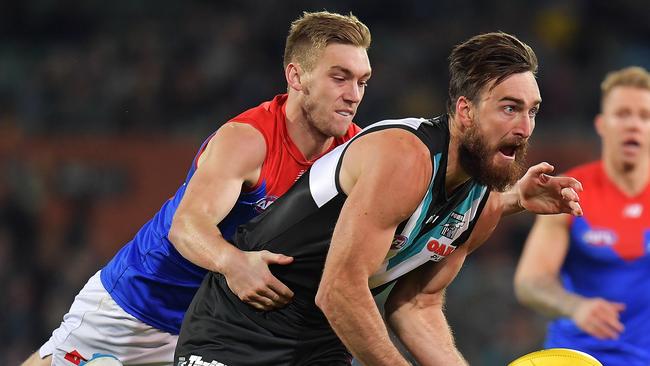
[541, 193]
[248, 276]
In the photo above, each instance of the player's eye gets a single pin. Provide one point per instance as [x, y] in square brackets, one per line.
[623, 113]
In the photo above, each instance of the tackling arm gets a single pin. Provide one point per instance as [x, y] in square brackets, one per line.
[233, 157]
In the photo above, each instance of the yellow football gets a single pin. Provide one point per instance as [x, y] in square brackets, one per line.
[556, 357]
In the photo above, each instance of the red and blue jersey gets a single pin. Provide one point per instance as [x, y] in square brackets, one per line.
[608, 257]
[150, 279]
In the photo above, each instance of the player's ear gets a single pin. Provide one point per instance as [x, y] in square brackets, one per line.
[598, 123]
[465, 111]
[293, 73]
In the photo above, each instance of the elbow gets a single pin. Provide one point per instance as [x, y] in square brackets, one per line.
[324, 299]
[176, 234]
[519, 283]
[519, 291]
[332, 297]
[523, 287]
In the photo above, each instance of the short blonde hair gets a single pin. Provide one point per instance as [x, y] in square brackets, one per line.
[312, 32]
[632, 76]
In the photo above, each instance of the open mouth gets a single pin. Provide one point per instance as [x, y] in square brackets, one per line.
[345, 113]
[508, 151]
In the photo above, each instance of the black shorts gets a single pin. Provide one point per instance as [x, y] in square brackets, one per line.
[219, 327]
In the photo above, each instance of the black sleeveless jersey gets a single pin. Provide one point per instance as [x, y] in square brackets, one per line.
[301, 223]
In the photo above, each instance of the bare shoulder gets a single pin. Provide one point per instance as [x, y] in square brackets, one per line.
[238, 136]
[235, 143]
[389, 169]
[394, 151]
[393, 141]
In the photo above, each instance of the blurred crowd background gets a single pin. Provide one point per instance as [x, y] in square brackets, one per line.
[102, 105]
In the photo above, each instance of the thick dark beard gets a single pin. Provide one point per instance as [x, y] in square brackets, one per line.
[474, 156]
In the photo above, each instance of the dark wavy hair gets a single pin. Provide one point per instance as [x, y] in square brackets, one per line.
[474, 63]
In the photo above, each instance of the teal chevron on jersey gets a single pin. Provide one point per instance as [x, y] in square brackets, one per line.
[412, 231]
[457, 217]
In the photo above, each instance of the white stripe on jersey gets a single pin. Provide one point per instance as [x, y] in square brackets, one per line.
[414, 123]
[322, 176]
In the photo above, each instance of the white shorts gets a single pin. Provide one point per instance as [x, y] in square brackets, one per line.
[96, 324]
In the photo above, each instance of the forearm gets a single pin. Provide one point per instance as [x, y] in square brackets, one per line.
[547, 296]
[356, 320]
[201, 243]
[416, 327]
[510, 201]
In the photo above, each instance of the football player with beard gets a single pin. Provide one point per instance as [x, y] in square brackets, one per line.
[397, 208]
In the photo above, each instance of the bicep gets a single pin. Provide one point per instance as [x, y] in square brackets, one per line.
[361, 238]
[545, 248]
[425, 286]
[383, 189]
[232, 157]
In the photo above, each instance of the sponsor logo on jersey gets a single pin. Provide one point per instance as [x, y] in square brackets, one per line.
[197, 361]
[454, 223]
[263, 203]
[398, 242]
[633, 210]
[599, 238]
[439, 250]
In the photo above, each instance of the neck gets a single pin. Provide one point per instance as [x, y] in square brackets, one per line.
[455, 175]
[311, 142]
[631, 179]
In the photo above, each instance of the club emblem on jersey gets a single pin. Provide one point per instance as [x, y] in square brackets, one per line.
[454, 222]
[599, 238]
[398, 242]
[263, 203]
